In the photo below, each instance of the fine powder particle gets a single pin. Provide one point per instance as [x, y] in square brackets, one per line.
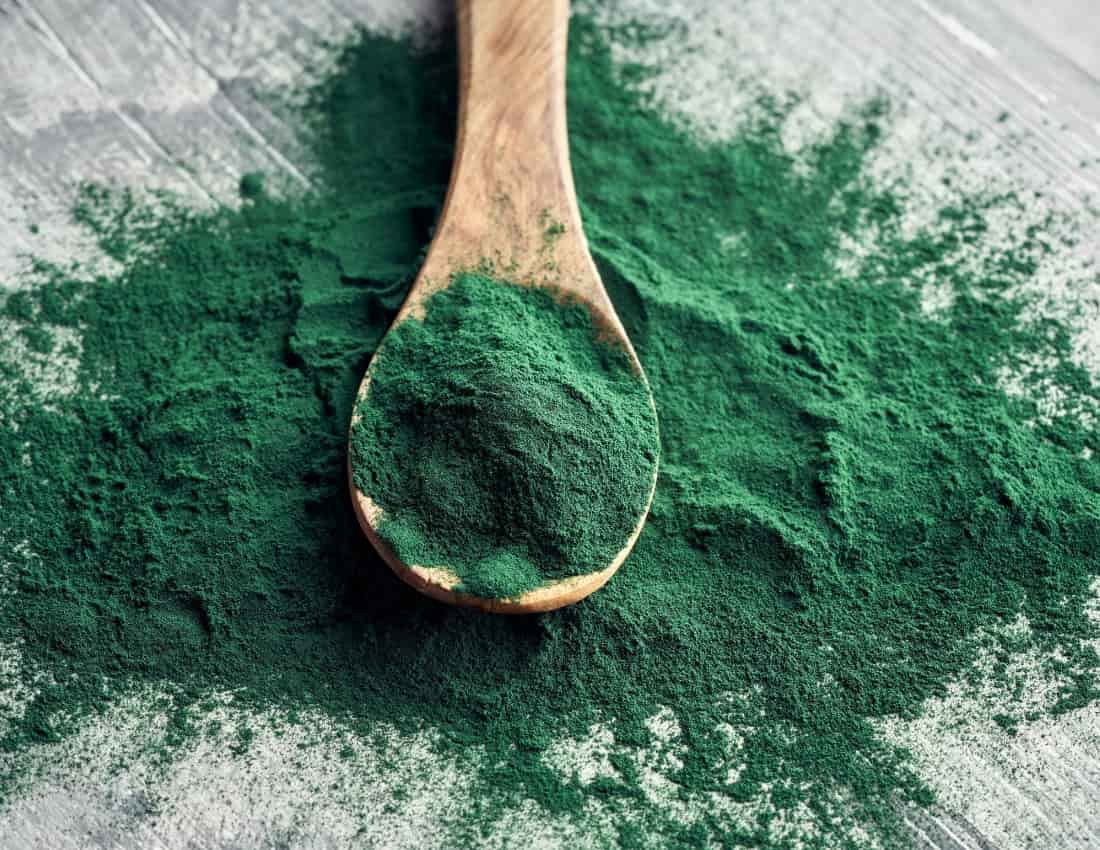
[503, 440]
[848, 503]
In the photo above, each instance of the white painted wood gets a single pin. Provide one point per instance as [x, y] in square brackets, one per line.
[167, 94]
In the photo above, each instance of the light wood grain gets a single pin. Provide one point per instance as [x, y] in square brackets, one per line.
[511, 209]
[512, 201]
[69, 67]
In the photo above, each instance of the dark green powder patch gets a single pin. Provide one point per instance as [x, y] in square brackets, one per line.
[847, 503]
[503, 440]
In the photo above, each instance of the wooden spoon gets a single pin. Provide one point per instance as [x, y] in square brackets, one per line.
[511, 202]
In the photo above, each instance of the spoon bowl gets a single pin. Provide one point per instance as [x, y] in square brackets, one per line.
[511, 208]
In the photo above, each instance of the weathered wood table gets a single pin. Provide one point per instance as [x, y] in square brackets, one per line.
[176, 94]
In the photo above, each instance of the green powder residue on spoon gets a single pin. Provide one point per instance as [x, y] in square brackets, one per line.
[851, 513]
[503, 440]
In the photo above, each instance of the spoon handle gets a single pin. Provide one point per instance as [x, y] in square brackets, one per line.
[511, 199]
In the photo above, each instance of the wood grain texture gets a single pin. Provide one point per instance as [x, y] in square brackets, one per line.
[511, 208]
[98, 90]
[511, 200]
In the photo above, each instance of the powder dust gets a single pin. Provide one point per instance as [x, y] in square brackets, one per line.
[848, 506]
[503, 440]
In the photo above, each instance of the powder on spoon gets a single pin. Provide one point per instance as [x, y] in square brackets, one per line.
[849, 505]
[504, 440]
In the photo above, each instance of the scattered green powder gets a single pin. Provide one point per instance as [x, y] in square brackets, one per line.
[503, 440]
[251, 185]
[847, 500]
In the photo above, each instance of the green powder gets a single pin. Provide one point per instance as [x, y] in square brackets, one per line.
[847, 501]
[503, 440]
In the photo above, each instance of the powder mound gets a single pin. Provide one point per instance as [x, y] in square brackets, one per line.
[850, 510]
[502, 440]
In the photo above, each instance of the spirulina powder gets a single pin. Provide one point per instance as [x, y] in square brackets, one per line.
[504, 440]
[848, 502]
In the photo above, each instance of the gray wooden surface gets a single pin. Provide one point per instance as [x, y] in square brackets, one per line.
[167, 93]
